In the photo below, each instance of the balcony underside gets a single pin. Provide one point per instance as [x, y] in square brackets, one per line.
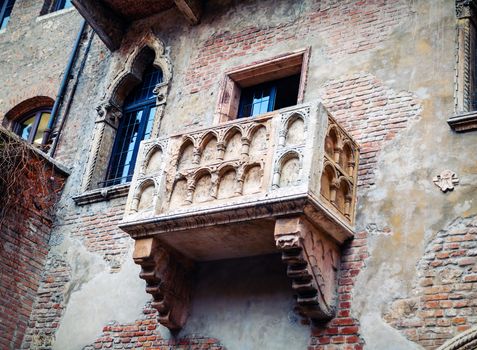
[110, 18]
[235, 231]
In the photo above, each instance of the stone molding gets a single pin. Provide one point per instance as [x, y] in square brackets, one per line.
[109, 110]
[463, 122]
[102, 194]
[446, 180]
[465, 8]
[465, 118]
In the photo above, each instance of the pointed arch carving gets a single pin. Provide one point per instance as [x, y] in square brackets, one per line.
[149, 49]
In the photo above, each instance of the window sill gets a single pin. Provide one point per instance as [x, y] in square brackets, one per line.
[102, 194]
[54, 14]
[463, 122]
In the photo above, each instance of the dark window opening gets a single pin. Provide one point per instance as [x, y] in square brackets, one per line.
[269, 96]
[135, 125]
[61, 4]
[32, 127]
[6, 7]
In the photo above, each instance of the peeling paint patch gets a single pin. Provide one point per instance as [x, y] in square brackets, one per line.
[98, 297]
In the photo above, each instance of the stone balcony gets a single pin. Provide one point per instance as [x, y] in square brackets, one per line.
[283, 182]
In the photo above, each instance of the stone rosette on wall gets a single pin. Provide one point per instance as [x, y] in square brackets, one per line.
[446, 180]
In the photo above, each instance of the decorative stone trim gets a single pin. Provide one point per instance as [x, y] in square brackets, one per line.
[312, 261]
[109, 110]
[295, 62]
[168, 279]
[465, 95]
[446, 180]
[463, 122]
[102, 194]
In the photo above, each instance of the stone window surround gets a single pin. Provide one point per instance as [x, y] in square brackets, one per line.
[258, 72]
[465, 118]
[109, 112]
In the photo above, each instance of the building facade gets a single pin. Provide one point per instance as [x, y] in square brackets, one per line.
[306, 179]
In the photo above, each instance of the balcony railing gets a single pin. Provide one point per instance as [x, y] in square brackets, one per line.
[248, 187]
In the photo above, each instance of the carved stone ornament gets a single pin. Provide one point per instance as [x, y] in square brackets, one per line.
[167, 275]
[446, 180]
[128, 74]
[312, 263]
[464, 8]
[464, 341]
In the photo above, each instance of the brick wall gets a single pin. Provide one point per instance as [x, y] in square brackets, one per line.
[445, 290]
[372, 113]
[362, 25]
[25, 232]
[97, 228]
[145, 334]
[49, 304]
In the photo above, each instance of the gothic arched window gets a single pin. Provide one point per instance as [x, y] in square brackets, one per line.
[136, 125]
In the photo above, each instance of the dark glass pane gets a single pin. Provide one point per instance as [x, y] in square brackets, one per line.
[5, 12]
[135, 126]
[144, 91]
[257, 100]
[62, 4]
[125, 144]
[269, 96]
[287, 92]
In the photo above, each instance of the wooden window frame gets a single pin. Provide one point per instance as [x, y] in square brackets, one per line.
[258, 72]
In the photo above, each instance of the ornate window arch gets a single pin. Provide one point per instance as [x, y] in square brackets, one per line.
[148, 51]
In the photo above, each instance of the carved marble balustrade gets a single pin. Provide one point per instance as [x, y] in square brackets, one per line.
[283, 182]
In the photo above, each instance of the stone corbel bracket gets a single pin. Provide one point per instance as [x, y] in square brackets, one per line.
[167, 274]
[312, 260]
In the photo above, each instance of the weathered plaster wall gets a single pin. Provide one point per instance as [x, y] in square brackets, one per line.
[34, 51]
[386, 70]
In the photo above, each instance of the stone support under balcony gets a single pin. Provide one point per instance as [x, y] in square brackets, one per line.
[168, 276]
[312, 260]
